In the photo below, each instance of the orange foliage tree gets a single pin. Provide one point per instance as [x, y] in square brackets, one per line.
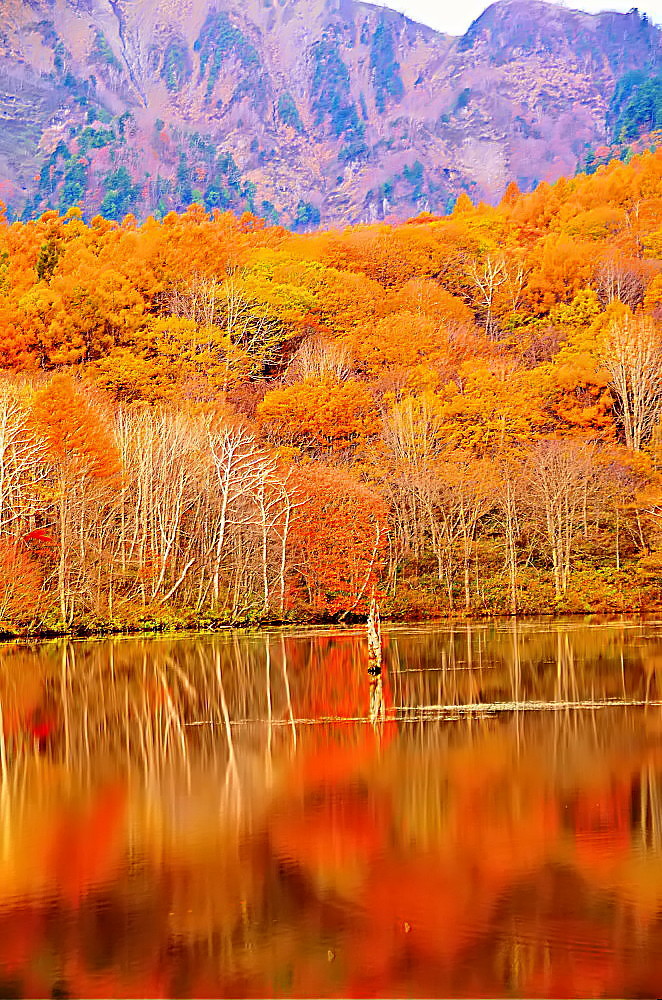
[320, 413]
[20, 585]
[85, 460]
[338, 540]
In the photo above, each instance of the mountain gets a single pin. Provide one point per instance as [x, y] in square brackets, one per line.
[302, 111]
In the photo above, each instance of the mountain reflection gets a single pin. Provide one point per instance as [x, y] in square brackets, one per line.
[217, 815]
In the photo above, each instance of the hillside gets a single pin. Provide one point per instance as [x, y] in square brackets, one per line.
[303, 111]
[205, 419]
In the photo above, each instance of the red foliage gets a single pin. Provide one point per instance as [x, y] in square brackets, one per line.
[338, 541]
[20, 584]
[38, 535]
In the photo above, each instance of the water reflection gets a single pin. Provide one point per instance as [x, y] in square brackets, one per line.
[251, 815]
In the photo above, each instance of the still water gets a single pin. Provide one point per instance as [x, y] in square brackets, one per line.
[254, 815]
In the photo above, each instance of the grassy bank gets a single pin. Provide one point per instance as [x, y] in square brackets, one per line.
[417, 599]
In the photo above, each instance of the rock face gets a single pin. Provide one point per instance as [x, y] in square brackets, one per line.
[302, 111]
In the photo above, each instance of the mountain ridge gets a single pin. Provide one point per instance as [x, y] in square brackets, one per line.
[306, 112]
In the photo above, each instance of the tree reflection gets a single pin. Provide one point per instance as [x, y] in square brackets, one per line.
[217, 815]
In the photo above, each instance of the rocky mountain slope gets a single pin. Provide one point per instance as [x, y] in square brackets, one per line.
[303, 111]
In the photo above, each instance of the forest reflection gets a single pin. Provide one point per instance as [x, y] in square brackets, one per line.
[217, 815]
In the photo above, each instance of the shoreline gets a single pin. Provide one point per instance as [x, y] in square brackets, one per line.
[174, 628]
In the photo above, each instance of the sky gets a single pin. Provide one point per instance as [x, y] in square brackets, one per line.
[454, 18]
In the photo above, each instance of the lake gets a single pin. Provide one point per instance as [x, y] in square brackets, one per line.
[253, 814]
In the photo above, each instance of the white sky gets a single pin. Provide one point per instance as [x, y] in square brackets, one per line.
[454, 18]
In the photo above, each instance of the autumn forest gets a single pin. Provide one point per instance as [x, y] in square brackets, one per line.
[209, 420]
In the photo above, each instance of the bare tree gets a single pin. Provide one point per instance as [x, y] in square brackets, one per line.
[240, 466]
[508, 507]
[439, 498]
[488, 275]
[632, 354]
[21, 462]
[516, 275]
[618, 279]
[319, 358]
[227, 306]
[561, 481]
[467, 495]
[198, 299]
[411, 435]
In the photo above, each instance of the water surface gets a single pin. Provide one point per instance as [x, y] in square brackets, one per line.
[253, 815]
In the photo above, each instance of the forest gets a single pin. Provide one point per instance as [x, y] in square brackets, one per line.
[208, 419]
